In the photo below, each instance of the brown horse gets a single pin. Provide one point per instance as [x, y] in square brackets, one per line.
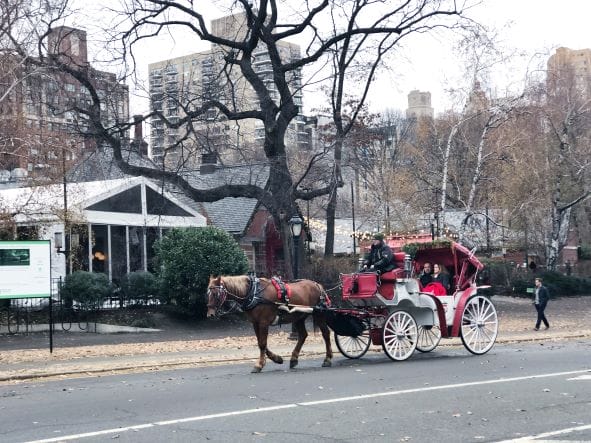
[263, 307]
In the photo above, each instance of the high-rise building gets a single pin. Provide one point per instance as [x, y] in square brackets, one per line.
[477, 101]
[182, 85]
[419, 105]
[569, 68]
[40, 127]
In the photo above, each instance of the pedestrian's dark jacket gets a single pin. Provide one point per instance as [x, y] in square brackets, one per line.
[381, 257]
[543, 294]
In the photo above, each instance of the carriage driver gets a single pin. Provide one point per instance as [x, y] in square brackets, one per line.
[381, 258]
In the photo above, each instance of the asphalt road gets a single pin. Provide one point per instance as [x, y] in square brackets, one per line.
[536, 391]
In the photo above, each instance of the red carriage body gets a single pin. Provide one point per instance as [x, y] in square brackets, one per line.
[394, 302]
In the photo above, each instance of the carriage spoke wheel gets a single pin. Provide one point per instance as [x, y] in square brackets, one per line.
[480, 325]
[429, 338]
[399, 336]
[353, 347]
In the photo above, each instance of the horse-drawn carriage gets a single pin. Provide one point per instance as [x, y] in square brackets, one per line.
[394, 311]
[391, 310]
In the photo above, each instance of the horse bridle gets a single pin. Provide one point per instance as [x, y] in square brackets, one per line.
[219, 293]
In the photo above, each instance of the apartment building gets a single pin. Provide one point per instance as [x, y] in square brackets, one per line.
[41, 132]
[570, 68]
[183, 85]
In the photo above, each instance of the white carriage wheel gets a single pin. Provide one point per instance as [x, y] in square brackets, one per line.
[399, 336]
[480, 325]
[429, 338]
[353, 347]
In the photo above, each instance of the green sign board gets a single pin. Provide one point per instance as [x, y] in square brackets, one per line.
[25, 269]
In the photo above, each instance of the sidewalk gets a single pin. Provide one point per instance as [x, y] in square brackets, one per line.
[85, 354]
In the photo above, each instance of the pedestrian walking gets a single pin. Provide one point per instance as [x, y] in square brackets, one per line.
[540, 301]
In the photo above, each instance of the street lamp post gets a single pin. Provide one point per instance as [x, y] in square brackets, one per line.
[353, 219]
[308, 249]
[295, 225]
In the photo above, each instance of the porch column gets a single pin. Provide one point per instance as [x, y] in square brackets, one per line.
[145, 249]
[144, 229]
[109, 254]
[89, 252]
[127, 248]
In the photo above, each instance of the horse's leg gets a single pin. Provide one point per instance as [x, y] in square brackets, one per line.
[274, 357]
[300, 326]
[262, 342]
[320, 321]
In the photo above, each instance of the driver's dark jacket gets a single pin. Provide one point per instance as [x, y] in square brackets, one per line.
[381, 257]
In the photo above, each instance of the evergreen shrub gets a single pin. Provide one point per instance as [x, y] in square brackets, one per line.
[89, 289]
[138, 287]
[187, 257]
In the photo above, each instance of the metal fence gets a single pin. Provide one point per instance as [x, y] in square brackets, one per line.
[23, 316]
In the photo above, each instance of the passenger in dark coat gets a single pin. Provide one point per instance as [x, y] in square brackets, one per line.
[440, 275]
[426, 275]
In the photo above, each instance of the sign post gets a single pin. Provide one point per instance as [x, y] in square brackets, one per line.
[25, 272]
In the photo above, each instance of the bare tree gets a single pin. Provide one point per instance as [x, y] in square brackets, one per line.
[262, 28]
[563, 107]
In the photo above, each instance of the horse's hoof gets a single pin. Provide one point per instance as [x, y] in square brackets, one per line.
[278, 360]
[326, 364]
[256, 370]
[293, 364]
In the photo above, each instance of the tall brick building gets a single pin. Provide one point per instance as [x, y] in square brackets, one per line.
[41, 130]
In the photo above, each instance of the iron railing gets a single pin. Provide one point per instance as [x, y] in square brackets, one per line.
[24, 316]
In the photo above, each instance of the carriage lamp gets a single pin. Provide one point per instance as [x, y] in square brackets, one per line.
[407, 266]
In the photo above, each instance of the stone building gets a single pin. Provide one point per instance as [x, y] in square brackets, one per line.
[419, 105]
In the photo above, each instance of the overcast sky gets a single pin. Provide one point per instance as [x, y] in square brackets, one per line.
[428, 63]
[533, 28]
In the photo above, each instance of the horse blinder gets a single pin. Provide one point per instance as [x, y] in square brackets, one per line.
[216, 297]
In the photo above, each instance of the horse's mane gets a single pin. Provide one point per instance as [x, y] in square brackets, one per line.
[237, 284]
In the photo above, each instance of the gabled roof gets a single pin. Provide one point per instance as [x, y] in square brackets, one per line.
[231, 214]
[45, 203]
[100, 165]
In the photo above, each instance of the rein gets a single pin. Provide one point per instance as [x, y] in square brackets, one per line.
[247, 302]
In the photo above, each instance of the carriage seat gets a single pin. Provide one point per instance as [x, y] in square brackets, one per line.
[392, 275]
[399, 259]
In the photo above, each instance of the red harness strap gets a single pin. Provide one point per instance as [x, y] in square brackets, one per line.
[283, 289]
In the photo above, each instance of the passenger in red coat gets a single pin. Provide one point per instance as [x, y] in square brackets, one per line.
[439, 281]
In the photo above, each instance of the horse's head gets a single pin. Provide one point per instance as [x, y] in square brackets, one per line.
[216, 296]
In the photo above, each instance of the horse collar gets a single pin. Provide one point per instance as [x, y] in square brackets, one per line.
[253, 296]
[283, 289]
